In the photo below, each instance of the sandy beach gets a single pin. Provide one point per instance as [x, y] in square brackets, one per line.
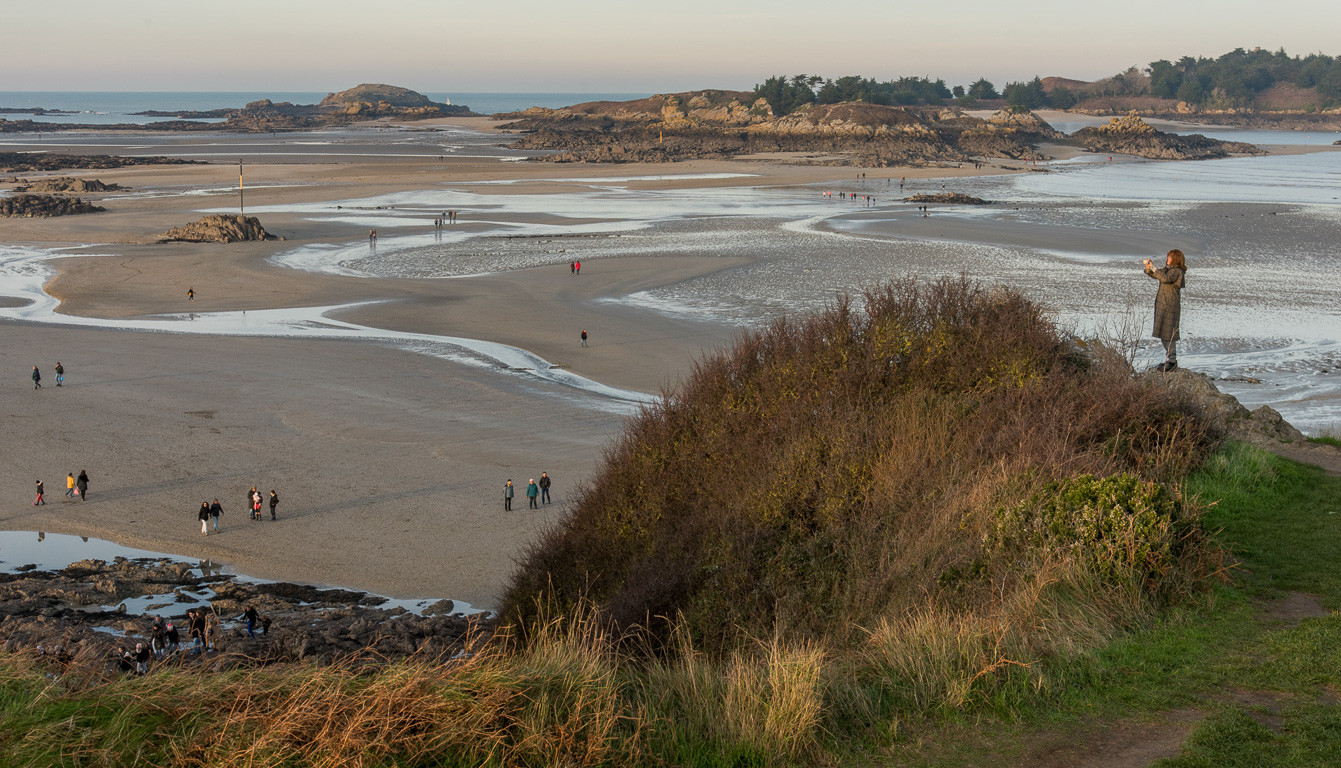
[390, 452]
[389, 463]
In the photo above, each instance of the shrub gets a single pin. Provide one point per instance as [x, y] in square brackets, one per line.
[821, 475]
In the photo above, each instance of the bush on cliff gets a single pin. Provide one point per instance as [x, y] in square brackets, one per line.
[842, 472]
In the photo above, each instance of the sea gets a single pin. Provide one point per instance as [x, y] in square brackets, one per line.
[1262, 309]
[108, 108]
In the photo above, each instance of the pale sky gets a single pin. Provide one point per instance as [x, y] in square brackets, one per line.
[443, 46]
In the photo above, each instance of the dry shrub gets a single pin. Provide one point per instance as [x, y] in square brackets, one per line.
[825, 474]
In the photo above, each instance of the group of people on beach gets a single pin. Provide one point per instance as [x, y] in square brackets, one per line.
[203, 629]
[537, 493]
[74, 487]
[37, 376]
[448, 217]
[255, 500]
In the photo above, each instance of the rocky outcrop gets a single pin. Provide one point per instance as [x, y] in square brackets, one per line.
[1223, 412]
[80, 611]
[218, 228]
[947, 198]
[1130, 135]
[29, 162]
[719, 124]
[45, 206]
[67, 184]
[361, 102]
[374, 93]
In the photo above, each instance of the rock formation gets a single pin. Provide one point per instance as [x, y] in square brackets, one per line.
[67, 608]
[1130, 135]
[45, 206]
[1226, 415]
[719, 124]
[947, 198]
[218, 228]
[67, 184]
[29, 162]
[375, 93]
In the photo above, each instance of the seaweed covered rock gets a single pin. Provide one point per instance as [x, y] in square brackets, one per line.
[218, 228]
[45, 206]
[947, 198]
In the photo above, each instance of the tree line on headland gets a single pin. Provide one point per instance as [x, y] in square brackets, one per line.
[1238, 80]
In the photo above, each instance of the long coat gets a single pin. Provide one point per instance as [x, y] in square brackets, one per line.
[1168, 303]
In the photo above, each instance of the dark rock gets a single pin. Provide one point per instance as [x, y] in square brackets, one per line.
[45, 206]
[24, 162]
[950, 198]
[218, 228]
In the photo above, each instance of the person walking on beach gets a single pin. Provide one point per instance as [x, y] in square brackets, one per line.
[532, 493]
[204, 516]
[572, 267]
[544, 487]
[508, 493]
[37, 378]
[1168, 304]
[584, 337]
[248, 504]
[60, 373]
[82, 484]
[41, 490]
[190, 294]
[274, 502]
[216, 509]
[577, 267]
[69, 484]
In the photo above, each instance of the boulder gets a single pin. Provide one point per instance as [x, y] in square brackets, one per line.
[218, 228]
[1225, 414]
[67, 184]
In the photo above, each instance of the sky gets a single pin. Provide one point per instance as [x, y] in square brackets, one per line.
[592, 46]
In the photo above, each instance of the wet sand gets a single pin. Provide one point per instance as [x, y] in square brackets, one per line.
[389, 463]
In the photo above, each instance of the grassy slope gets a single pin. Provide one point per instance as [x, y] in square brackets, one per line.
[1262, 691]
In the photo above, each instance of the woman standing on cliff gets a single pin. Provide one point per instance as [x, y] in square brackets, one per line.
[1168, 304]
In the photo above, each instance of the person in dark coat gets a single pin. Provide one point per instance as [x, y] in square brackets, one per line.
[508, 493]
[252, 616]
[544, 487]
[274, 502]
[1168, 304]
[37, 378]
[204, 515]
[532, 493]
[216, 509]
[41, 491]
[82, 484]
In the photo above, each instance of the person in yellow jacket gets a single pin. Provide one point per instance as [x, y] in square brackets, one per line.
[69, 485]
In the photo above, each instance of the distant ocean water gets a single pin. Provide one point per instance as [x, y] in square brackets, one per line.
[106, 107]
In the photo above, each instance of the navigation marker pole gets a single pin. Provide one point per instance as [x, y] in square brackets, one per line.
[241, 197]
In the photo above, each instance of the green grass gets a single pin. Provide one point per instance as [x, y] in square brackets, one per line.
[1332, 440]
[1223, 657]
[1264, 690]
